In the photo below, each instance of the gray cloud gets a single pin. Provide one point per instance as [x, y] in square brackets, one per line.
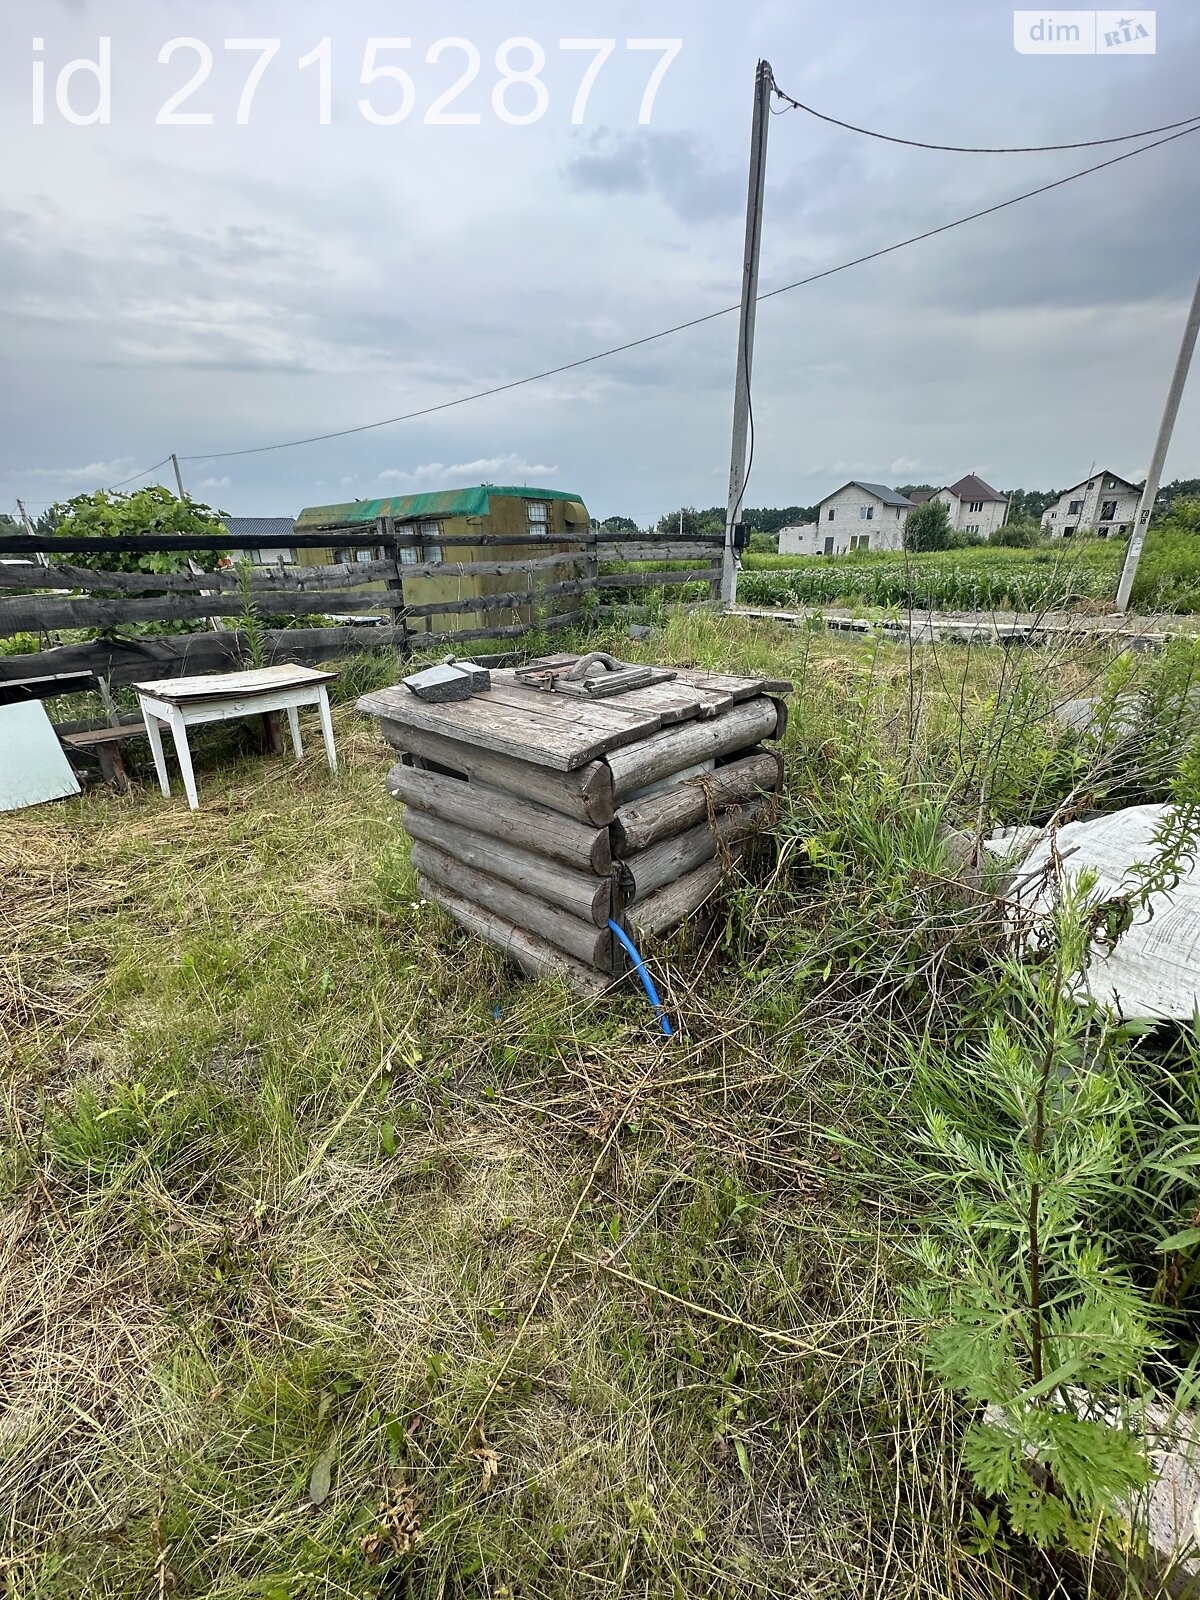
[677, 168]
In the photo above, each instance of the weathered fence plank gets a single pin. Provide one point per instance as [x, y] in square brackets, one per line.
[657, 550]
[124, 661]
[31, 613]
[637, 580]
[31, 575]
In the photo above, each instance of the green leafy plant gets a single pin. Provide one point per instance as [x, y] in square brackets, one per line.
[111, 514]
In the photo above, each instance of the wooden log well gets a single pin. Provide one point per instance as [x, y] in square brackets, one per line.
[536, 816]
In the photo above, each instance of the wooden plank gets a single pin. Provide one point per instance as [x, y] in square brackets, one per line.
[31, 575]
[535, 956]
[583, 940]
[659, 913]
[490, 569]
[518, 630]
[585, 793]
[336, 534]
[662, 863]
[677, 702]
[641, 823]
[124, 661]
[229, 685]
[609, 715]
[741, 688]
[582, 894]
[500, 602]
[673, 749]
[16, 544]
[31, 613]
[502, 816]
[658, 550]
[486, 720]
[637, 580]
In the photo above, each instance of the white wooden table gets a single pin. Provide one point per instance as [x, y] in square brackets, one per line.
[180, 703]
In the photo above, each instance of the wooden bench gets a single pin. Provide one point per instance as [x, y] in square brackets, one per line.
[105, 744]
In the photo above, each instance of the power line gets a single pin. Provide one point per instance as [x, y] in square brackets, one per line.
[692, 322]
[976, 149]
[144, 474]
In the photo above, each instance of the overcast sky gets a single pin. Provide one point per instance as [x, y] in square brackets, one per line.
[208, 288]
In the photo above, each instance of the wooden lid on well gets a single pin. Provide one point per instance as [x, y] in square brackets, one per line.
[561, 731]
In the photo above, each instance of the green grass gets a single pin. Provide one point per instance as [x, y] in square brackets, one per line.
[1052, 576]
[342, 1262]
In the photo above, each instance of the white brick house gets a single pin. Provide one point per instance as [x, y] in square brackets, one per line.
[974, 506]
[1103, 504]
[797, 540]
[858, 516]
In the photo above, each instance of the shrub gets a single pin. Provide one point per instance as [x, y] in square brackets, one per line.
[928, 527]
[1019, 534]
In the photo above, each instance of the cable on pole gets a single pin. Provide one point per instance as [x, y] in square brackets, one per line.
[793, 104]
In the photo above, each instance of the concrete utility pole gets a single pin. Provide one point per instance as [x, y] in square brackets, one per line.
[25, 517]
[763, 80]
[178, 476]
[1166, 427]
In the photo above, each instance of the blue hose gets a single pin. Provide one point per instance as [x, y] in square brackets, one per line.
[647, 981]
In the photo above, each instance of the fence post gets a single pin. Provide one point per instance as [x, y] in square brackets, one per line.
[395, 589]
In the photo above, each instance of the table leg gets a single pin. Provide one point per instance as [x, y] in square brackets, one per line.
[154, 734]
[293, 716]
[184, 757]
[326, 726]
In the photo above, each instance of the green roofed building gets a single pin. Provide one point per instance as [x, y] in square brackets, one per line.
[453, 526]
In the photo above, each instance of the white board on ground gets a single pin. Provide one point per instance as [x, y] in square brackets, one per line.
[33, 765]
[1153, 971]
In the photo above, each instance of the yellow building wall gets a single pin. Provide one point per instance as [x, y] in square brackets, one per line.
[508, 514]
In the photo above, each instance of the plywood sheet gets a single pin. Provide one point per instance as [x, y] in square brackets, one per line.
[33, 765]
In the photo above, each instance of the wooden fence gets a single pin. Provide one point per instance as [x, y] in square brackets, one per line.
[44, 601]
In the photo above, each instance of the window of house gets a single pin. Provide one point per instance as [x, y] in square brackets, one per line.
[539, 512]
[866, 513]
[429, 551]
[275, 557]
[975, 505]
[1108, 511]
[829, 543]
[831, 513]
[860, 541]
[364, 555]
[1067, 532]
[972, 527]
[1124, 528]
[1075, 507]
[1102, 533]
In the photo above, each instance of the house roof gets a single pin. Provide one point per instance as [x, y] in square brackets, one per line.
[1091, 478]
[248, 530]
[919, 496]
[441, 503]
[879, 490]
[973, 487]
